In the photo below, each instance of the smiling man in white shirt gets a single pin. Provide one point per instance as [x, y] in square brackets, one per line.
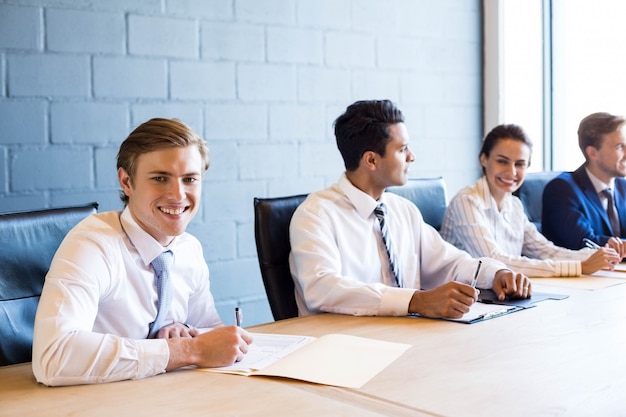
[339, 260]
[100, 299]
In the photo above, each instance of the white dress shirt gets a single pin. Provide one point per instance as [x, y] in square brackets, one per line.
[339, 263]
[473, 223]
[99, 299]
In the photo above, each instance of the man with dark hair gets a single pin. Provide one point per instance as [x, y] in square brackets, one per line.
[358, 250]
[127, 295]
[590, 203]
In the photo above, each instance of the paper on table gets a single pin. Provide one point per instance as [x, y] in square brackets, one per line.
[610, 274]
[481, 311]
[266, 349]
[333, 359]
[586, 282]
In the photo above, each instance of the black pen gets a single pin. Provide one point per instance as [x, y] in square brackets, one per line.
[238, 316]
[475, 280]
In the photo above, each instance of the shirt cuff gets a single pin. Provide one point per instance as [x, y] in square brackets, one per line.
[153, 354]
[395, 301]
[569, 268]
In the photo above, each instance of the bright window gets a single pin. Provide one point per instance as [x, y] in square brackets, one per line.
[589, 62]
[514, 70]
[548, 64]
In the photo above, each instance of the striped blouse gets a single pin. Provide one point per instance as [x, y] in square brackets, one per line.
[472, 222]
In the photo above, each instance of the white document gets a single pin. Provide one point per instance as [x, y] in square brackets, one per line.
[266, 349]
[616, 273]
[483, 311]
[585, 282]
[620, 267]
[333, 359]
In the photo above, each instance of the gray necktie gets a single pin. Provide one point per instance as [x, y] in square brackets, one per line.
[611, 211]
[380, 211]
[161, 265]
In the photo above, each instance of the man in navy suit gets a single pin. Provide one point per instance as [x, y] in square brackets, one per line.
[591, 201]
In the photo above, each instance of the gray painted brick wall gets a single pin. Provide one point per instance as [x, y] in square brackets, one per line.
[261, 80]
[85, 31]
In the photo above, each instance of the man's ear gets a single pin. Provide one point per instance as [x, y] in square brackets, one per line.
[369, 160]
[125, 181]
[591, 152]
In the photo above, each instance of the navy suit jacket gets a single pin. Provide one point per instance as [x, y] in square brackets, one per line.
[572, 210]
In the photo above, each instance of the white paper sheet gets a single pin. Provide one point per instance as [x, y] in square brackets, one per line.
[333, 359]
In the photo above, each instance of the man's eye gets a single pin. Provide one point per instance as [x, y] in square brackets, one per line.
[190, 180]
[158, 179]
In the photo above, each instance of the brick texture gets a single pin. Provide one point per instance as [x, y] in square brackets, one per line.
[262, 81]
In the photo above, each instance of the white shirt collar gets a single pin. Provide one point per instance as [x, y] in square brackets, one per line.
[363, 202]
[482, 187]
[599, 185]
[147, 246]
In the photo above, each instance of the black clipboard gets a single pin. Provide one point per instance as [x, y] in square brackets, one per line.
[489, 297]
[481, 312]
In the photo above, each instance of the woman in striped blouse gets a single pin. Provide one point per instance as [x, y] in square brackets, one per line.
[487, 220]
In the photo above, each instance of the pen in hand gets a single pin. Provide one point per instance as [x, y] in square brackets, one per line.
[591, 244]
[475, 280]
[238, 316]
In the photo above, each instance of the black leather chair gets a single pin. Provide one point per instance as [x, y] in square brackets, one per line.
[531, 194]
[428, 194]
[271, 232]
[28, 241]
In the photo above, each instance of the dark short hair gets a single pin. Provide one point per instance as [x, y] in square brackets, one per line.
[154, 135]
[364, 126]
[501, 132]
[593, 127]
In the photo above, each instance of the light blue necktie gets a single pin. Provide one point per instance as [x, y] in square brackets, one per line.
[381, 211]
[161, 265]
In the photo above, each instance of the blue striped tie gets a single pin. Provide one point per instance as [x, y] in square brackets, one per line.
[161, 265]
[380, 211]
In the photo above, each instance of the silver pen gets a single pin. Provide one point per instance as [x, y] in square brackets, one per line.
[591, 244]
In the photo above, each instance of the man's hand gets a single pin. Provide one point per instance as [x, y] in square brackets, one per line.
[618, 245]
[450, 300]
[176, 330]
[511, 284]
[220, 347]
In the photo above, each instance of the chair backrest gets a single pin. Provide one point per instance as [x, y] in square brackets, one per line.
[429, 195]
[531, 194]
[29, 241]
[271, 231]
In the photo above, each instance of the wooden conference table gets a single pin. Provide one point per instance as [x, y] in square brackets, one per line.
[561, 358]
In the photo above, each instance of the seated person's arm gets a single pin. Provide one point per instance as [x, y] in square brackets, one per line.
[450, 300]
[453, 299]
[318, 268]
[219, 347]
[466, 225]
[71, 347]
[565, 220]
